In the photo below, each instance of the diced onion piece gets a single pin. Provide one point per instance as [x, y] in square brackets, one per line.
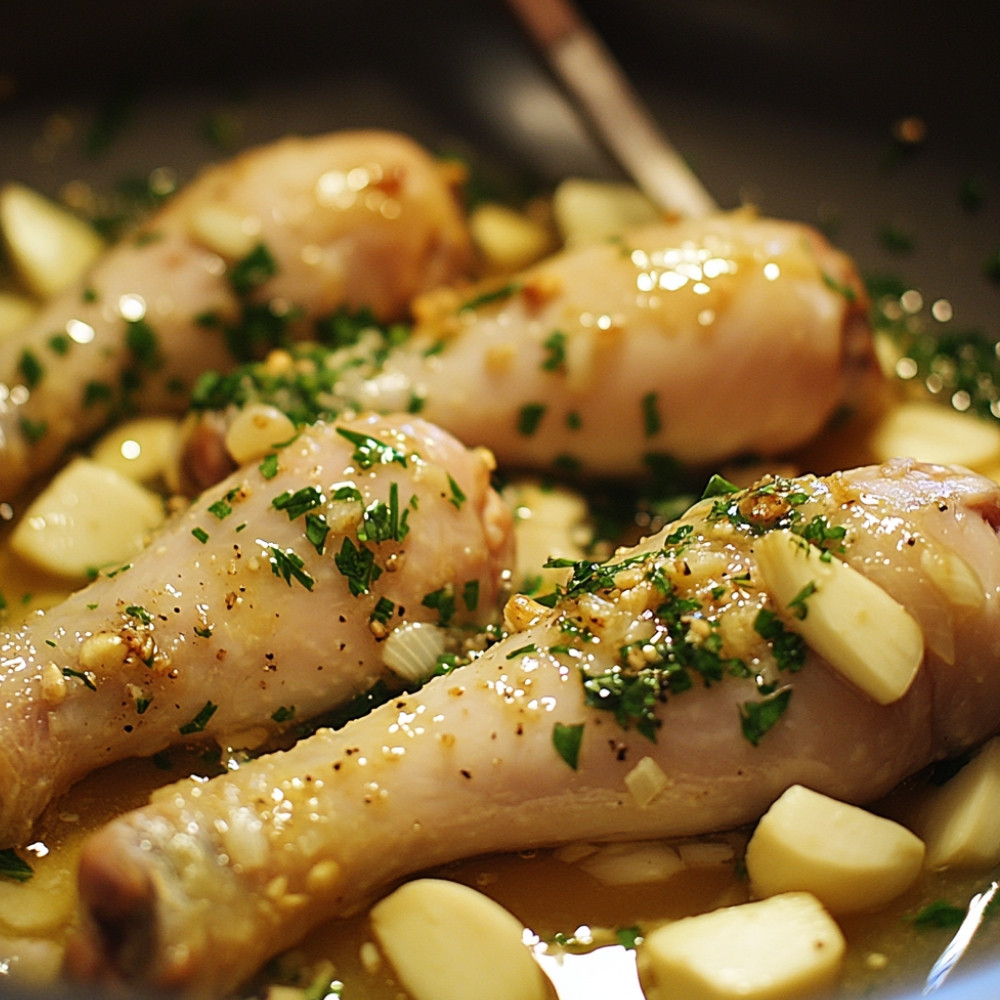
[775, 949]
[15, 311]
[931, 432]
[411, 650]
[222, 230]
[646, 781]
[959, 820]
[633, 863]
[849, 620]
[88, 516]
[508, 240]
[850, 859]
[587, 211]
[447, 941]
[256, 430]
[49, 247]
[142, 449]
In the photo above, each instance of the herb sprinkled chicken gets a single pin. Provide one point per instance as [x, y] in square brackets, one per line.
[247, 257]
[673, 346]
[668, 691]
[269, 600]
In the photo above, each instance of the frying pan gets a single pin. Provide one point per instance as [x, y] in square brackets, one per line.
[787, 105]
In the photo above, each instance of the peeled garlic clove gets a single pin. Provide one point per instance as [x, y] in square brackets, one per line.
[849, 620]
[256, 430]
[783, 947]
[89, 516]
[49, 247]
[959, 820]
[850, 859]
[446, 941]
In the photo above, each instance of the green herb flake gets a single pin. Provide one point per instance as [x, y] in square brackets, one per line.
[220, 509]
[282, 714]
[492, 296]
[457, 497]
[201, 534]
[296, 504]
[651, 422]
[718, 486]
[797, 605]
[30, 368]
[443, 601]
[288, 565]
[13, 866]
[757, 718]
[60, 343]
[316, 532]
[470, 595]
[33, 430]
[936, 915]
[529, 418]
[269, 466]
[139, 612]
[629, 937]
[567, 740]
[369, 451]
[383, 611]
[200, 721]
[788, 648]
[253, 270]
[143, 344]
[86, 679]
[555, 351]
[357, 564]
[203, 631]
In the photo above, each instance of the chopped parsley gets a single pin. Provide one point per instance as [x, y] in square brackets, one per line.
[555, 351]
[201, 534]
[287, 564]
[296, 504]
[253, 270]
[13, 866]
[758, 717]
[567, 740]
[357, 564]
[269, 466]
[200, 721]
[369, 451]
[457, 497]
[493, 295]
[30, 368]
[384, 522]
[443, 601]
[529, 418]
[80, 676]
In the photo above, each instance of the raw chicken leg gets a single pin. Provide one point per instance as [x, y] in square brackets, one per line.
[253, 250]
[267, 600]
[659, 654]
[689, 344]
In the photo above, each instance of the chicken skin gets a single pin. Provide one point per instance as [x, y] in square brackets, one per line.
[675, 346]
[251, 254]
[672, 657]
[264, 603]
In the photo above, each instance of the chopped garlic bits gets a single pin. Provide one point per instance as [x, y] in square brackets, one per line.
[850, 621]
